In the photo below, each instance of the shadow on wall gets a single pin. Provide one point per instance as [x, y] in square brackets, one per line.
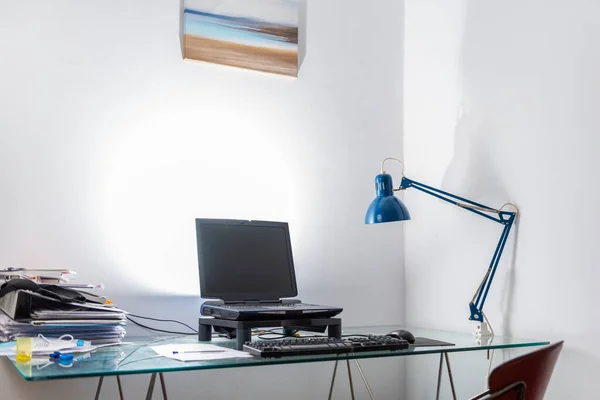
[470, 172]
[472, 175]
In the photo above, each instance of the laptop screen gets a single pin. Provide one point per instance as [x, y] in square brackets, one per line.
[245, 260]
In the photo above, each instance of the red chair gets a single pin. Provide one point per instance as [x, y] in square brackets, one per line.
[525, 377]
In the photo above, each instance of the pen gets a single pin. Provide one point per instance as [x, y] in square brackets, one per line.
[199, 351]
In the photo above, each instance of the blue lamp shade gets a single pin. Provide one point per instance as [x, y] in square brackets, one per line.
[386, 207]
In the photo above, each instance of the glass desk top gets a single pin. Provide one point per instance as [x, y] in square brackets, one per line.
[139, 358]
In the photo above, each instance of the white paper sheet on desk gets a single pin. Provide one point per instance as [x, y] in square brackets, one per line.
[201, 352]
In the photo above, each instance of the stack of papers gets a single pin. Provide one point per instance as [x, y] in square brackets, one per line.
[56, 276]
[28, 309]
[59, 277]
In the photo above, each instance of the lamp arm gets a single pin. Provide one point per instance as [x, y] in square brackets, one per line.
[476, 304]
[505, 218]
[477, 208]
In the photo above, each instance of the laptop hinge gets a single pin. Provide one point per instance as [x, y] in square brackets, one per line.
[276, 301]
[250, 301]
[290, 301]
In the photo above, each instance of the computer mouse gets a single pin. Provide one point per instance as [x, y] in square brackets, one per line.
[402, 334]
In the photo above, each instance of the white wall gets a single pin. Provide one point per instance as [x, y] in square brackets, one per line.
[526, 73]
[111, 145]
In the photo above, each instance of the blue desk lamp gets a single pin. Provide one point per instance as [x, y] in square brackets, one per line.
[388, 208]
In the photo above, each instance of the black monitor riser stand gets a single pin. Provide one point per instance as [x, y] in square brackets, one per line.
[244, 328]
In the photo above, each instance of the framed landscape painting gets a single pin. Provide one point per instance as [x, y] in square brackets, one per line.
[261, 35]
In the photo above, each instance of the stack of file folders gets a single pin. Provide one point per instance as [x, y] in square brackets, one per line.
[29, 309]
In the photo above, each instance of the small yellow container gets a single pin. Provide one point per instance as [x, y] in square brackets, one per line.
[24, 349]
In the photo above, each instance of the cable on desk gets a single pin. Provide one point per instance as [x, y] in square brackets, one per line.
[141, 359]
[145, 345]
[278, 335]
[160, 330]
[164, 320]
[281, 335]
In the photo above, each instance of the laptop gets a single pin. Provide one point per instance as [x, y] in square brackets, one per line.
[248, 266]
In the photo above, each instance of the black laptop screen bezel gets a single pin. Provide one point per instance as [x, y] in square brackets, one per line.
[249, 296]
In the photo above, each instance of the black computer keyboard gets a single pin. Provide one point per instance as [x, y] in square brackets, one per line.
[307, 346]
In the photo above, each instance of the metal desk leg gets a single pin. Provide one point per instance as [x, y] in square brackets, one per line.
[450, 375]
[332, 380]
[364, 379]
[163, 386]
[350, 379]
[439, 380]
[99, 388]
[120, 388]
[151, 387]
